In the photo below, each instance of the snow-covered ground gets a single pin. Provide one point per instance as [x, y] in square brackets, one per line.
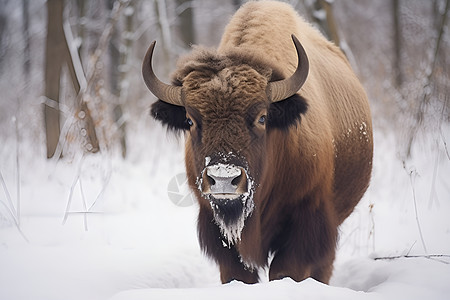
[137, 244]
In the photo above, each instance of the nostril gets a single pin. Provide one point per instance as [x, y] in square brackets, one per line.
[236, 180]
[222, 179]
[211, 180]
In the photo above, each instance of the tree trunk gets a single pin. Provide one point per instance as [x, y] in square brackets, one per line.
[237, 4]
[186, 23]
[118, 56]
[26, 37]
[125, 54]
[330, 21]
[57, 53]
[3, 24]
[397, 43]
[164, 26]
[429, 82]
[81, 5]
[54, 58]
[321, 13]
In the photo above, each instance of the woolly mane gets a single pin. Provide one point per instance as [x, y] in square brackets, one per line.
[210, 60]
[281, 114]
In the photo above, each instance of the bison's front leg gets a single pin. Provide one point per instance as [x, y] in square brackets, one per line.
[227, 257]
[306, 245]
[232, 269]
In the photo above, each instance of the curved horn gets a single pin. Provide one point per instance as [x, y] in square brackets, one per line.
[165, 92]
[282, 89]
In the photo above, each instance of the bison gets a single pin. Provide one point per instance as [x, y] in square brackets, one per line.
[278, 143]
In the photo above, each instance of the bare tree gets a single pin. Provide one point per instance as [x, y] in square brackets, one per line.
[124, 68]
[3, 23]
[26, 36]
[119, 49]
[164, 27]
[237, 3]
[427, 94]
[397, 43]
[321, 12]
[186, 21]
[81, 11]
[56, 55]
[330, 24]
[54, 58]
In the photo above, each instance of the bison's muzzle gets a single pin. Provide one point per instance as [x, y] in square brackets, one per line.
[229, 189]
[224, 181]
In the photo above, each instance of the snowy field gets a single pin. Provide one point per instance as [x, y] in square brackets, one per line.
[135, 243]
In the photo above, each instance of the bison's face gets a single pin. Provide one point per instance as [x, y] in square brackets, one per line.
[227, 116]
[227, 110]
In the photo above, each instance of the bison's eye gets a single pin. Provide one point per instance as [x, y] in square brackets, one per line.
[262, 120]
[189, 122]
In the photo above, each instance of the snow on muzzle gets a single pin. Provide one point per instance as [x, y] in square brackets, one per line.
[224, 181]
[229, 189]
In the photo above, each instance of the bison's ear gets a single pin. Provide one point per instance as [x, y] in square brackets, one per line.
[173, 116]
[286, 113]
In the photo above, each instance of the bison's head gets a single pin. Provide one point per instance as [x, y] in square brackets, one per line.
[228, 104]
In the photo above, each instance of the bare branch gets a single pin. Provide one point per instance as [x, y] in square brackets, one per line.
[106, 180]
[412, 176]
[433, 194]
[94, 72]
[429, 256]
[10, 208]
[410, 248]
[17, 162]
[72, 188]
[10, 205]
[441, 120]
[74, 56]
[15, 223]
[426, 96]
[372, 227]
[83, 197]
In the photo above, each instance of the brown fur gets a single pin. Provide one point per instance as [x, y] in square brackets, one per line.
[308, 176]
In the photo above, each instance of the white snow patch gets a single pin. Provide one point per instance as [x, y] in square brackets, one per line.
[281, 289]
[223, 171]
[140, 246]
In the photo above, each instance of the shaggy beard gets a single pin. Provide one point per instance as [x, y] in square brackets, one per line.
[230, 215]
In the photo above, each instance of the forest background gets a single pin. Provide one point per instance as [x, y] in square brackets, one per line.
[79, 150]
